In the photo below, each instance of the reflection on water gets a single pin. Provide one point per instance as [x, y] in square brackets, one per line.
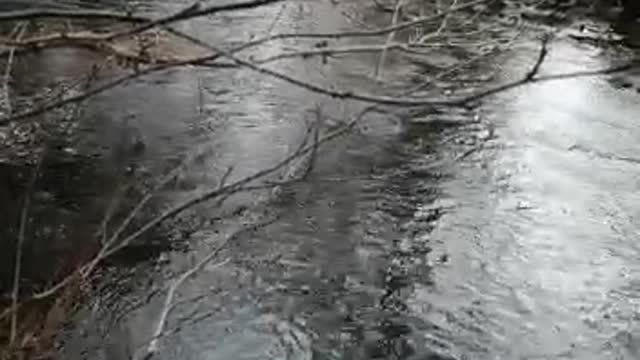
[545, 257]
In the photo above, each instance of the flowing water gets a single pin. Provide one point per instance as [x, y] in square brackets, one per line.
[512, 236]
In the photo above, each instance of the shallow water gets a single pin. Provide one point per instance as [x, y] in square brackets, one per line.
[511, 237]
[544, 239]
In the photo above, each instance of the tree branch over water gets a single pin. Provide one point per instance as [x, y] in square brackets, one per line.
[193, 11]
[217, 53]
[208, 61]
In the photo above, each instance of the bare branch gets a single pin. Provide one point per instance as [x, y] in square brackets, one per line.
[103, 232]
[374, 32]
[156, 23]
[194, 11]
[168, 302]
[418, 102]
[553, 77]
[384, 100]
[99, 89]
[541, 57]
[32, 14]
[183, 15]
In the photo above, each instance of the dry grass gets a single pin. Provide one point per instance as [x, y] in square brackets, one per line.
[40, 321]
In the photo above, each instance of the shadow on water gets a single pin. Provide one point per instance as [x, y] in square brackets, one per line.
[59, 220]
[87, 167]
[68, 203]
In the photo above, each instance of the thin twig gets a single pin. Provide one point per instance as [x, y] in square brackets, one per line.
[20, 30]
[168, 301]
[169, 304]
[443, 24]
[155, 23]
[383, 54]
[24, 217]
[542, 55]
[317, 125]
[108, 214]
[420, 102]
[132, 214]
[276, 19]
[330, 35]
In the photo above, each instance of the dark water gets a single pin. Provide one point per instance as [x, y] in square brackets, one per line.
[513, 236]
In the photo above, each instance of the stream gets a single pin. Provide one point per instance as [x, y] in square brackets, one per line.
[515, 235]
